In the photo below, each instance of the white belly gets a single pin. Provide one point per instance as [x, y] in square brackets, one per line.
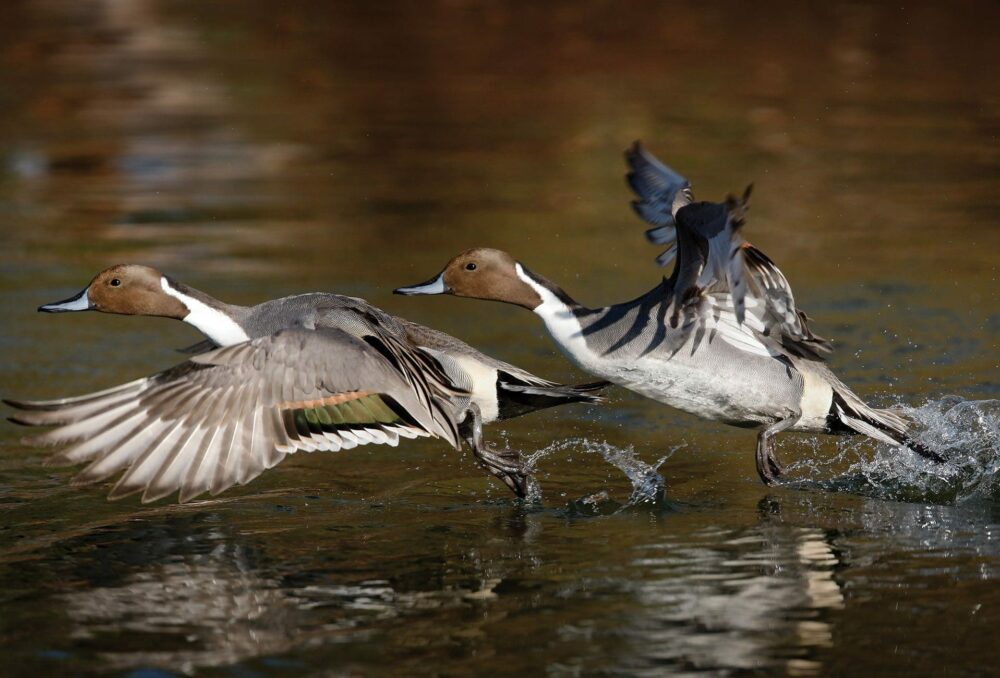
[693, 389]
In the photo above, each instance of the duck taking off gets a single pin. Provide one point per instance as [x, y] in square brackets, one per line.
[313, 372]
[720, 338]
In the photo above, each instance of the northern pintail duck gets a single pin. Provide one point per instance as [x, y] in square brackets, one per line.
[303, 373]
[721, 338]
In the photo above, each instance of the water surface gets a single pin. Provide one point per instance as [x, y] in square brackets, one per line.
[256, 150]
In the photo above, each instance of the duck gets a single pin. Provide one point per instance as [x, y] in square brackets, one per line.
[720, 338]
[309, 372]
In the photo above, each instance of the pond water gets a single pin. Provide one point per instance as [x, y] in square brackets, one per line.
[255, 150]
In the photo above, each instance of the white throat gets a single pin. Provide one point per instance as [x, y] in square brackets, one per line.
[560, 321]
[211, 322]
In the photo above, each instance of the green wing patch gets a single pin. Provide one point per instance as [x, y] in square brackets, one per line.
[342, 411]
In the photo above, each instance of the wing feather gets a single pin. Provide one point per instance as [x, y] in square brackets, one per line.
[197, 479]
[225, 416]
[713, 257]
[660, 192]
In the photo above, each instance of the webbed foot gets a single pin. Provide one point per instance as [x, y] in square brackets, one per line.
[768, 467]
[506, 466]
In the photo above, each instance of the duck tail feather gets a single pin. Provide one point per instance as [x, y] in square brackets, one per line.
[560, 393]
[882, 425]
[590, 386]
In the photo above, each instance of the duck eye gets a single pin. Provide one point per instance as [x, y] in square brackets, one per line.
[471, 266]
[115, 282]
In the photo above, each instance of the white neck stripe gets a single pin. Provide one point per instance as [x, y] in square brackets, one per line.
[211, 322]
[551, 304]
[560, 321]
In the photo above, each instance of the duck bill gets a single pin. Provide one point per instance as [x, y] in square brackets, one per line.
[80, 302]
[433, 286]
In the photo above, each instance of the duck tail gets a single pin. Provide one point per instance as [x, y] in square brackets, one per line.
[589, 392]
[559, 394]
[517, 398]
[882, 425]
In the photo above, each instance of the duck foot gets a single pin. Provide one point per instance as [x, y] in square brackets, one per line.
[506, 466]
[769, 468]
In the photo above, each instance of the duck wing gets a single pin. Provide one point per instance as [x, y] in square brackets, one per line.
[225, 416]
[388, 335]
[660, 193]
[717, 272]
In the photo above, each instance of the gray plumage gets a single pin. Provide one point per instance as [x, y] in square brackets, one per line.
[720, 278]
[721, 337]
[161, 429]
[360, 318]
[225, 416]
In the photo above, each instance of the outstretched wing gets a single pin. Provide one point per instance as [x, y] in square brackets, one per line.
[660, 193]
[714, 260]
[224, 417]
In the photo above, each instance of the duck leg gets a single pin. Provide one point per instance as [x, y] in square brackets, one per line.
[768, 466]
[506, 465]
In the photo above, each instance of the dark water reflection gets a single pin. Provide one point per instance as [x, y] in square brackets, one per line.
[499, 587]
[260, 149]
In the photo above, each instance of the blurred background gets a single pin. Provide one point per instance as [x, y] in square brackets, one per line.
[257, 149]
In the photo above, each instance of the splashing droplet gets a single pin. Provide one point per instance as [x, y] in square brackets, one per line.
[965, 432]
[647, 483]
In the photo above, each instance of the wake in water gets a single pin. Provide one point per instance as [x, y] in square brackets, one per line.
[647, 483]
[965, 432]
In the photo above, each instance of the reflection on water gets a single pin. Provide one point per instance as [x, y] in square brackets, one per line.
[201, 601]
[768, 592]
[208, 609]
[736, 601]
[261, 149]
[179, 593]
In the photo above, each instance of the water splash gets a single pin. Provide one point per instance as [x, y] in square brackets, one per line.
[965, 432]
[647, 483]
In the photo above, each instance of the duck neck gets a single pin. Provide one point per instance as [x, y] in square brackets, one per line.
[559, 311]
[217, 320]
[552, 296]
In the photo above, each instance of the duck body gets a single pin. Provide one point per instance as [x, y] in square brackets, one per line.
[721, 338]
[630, 345]
[310, 372]
[495, 388]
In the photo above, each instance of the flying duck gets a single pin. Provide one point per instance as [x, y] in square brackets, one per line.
[310, 372]
[720, 338]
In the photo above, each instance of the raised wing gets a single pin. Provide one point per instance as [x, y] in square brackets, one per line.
[660, 193]
[711, 315]
[714, 259]
[224, 417]
[778, 309]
